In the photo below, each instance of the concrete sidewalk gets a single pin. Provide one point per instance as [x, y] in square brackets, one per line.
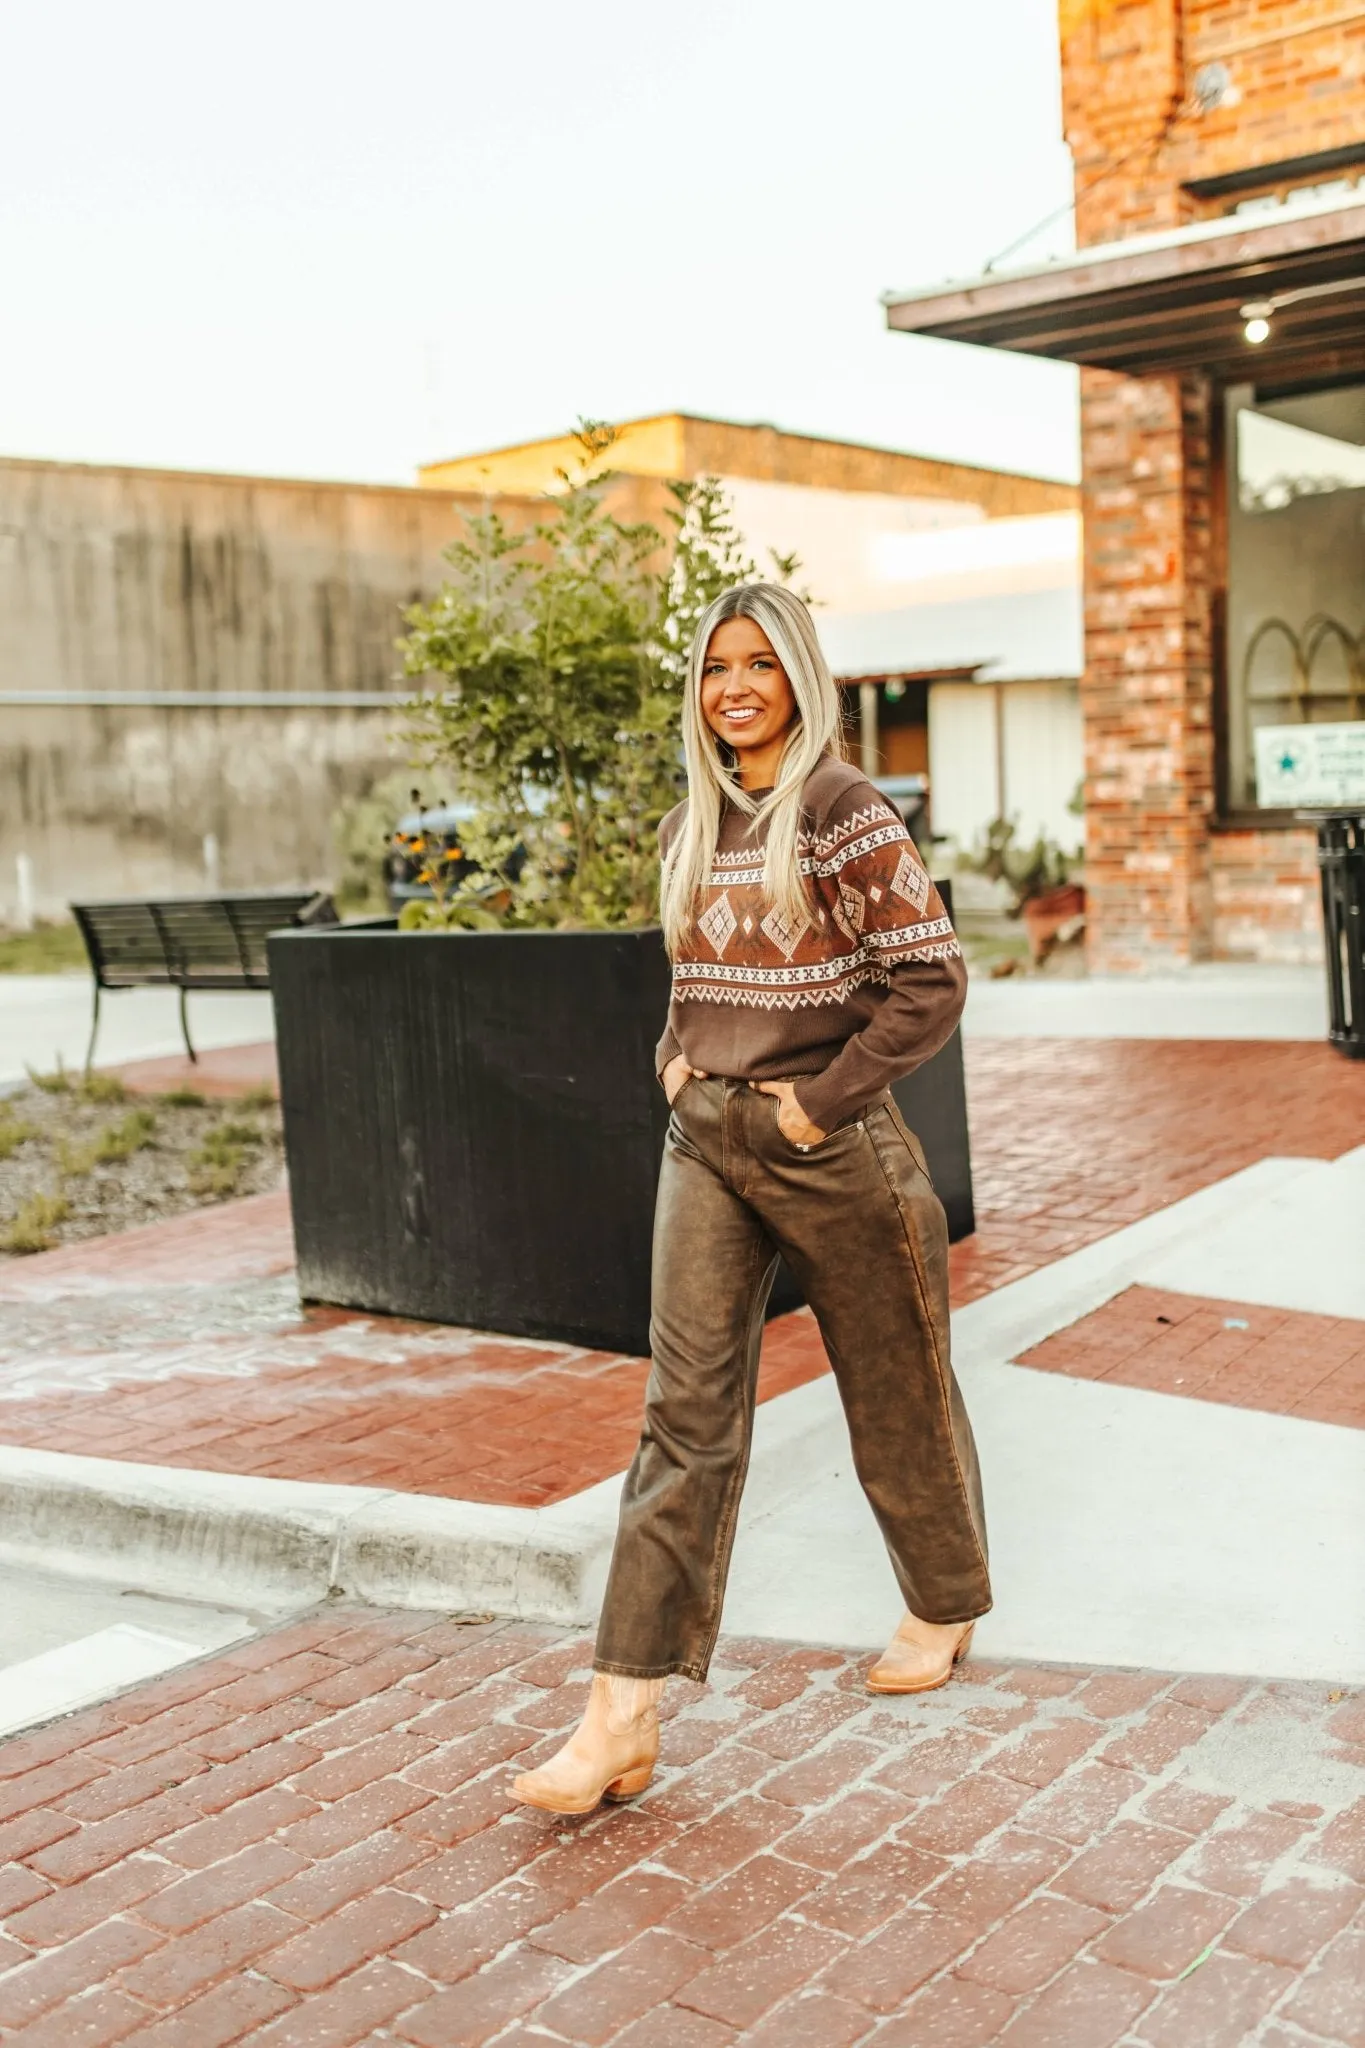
[1216, 1001]
[45, 1018]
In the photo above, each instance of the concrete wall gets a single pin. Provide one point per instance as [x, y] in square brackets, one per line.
[140, 581]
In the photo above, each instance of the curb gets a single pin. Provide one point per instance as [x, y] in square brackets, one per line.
[273, 1545]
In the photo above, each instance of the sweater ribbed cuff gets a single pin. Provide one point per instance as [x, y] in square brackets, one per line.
[667, 1049]
[823, 1101]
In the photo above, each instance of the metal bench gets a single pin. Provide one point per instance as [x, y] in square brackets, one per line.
[189, 942]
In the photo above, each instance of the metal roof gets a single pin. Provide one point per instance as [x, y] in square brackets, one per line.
[1175, 301]
[1008, 636]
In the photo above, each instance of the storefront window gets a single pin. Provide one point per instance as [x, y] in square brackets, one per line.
[1296, 568]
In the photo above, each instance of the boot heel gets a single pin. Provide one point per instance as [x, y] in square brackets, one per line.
[630, 1784]
[960, 1652]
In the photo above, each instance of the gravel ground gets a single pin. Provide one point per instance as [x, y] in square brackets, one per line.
[78, 1162]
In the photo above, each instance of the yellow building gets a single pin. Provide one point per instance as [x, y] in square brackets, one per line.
[677, 446]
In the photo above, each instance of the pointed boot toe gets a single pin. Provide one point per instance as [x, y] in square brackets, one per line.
[610, 1755]
[920, 1657]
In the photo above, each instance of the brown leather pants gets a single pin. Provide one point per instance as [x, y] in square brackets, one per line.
[864, 1234]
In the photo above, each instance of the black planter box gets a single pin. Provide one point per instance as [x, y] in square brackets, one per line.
[473, 1125]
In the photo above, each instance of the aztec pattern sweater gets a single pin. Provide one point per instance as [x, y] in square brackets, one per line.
[866, 990]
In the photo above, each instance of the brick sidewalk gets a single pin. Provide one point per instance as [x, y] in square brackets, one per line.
[185, 1342]
[1230, 1351]
[308, 1843]
[220, 1074]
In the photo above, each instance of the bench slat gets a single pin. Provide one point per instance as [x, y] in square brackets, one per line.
[186, 942]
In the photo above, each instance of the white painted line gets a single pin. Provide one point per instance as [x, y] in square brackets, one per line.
[90, 1669]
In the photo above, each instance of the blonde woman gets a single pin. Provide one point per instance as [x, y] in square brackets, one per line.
[812, 966]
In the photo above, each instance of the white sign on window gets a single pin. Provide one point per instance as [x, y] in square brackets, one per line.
[1315, 767]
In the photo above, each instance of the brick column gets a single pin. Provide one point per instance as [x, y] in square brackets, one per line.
[1147, 694]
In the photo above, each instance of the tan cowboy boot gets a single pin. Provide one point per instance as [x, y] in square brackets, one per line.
[920, 1656]
[610, 1755]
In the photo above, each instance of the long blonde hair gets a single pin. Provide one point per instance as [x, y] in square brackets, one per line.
[816, 731]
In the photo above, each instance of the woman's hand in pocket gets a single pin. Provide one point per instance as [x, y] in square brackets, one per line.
[792, 1120]
[676, 1076]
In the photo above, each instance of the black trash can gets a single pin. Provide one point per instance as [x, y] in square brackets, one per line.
[1341, 857]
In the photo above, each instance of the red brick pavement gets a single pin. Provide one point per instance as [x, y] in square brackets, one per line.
[220, 1074]
[1071, 1140]
[249, 1239]
[1231, 1351]
[309, 1840]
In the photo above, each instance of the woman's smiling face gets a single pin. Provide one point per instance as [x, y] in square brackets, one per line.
[747, 700]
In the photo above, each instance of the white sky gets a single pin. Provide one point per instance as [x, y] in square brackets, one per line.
[337, 240]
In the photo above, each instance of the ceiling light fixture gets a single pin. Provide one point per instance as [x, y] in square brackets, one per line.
[1257, 314]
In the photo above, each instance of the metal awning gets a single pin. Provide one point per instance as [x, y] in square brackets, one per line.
[1178, 301]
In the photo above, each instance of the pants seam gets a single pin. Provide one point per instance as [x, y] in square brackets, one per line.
[937, 1358]
[720, 1567]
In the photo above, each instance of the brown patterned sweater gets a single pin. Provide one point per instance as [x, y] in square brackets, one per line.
[863, 993]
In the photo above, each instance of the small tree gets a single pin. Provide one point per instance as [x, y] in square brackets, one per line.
[562, 651]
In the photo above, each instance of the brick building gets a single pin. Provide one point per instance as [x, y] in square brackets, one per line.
[1217, 311]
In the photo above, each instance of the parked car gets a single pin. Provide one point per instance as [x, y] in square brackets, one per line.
[414, 839]
[910, 795]
[409, 850]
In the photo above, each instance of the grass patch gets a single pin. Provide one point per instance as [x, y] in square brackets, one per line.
[31, 1228]
[14, 1132]
[182, 1098]
[47, 949]
[232, 1134]
[217, 1179]
[217, 1167]
[109, 1147]
[262, 1096]
[121, 1140]
[98, 1087]
[92, 1087]
[60, 1081]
